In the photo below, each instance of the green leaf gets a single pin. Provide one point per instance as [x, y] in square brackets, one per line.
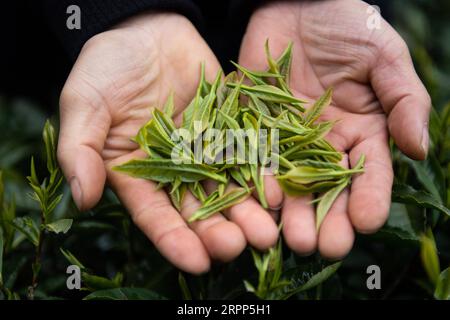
[229, 107]
[49, 137]
[268, 93]
[442, 291]
[71, 258]
[27, 227]
[125, 294]
[314, 113]
[306, 175]
[310, 137]
[93, 282]
[273, 67]
[315, 280]
[1, 256]
[58, 226]
[169, 106]
[2, 191]
[184, 287]
[177, 195]
[229, 199]
[257, 77]
[400, 223]
[327, 201]
[426, 177]
[284, 62]
[237, 175]
[296, 189]
[430, 259]
[166, 170]
[407, 194]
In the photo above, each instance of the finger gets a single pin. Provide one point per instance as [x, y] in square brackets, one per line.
[299, 227]
[84, 125]
[336, 234]
[223, 239]
[370, 195]
[258, 226]
[403, 97]
[153, 213]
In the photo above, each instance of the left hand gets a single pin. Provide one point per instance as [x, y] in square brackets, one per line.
[377, 93]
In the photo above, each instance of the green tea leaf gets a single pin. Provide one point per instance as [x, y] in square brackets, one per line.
[257, 77]
[59, 226]
[296, 189]
[94, 283]
[314, 113]
[229, 199]
[429, 255]
[284, 63]
[268, 93]
[442, 291]
[237, 175]
[49, 137]
[184, 287]
[169, 106]
[307, 175]
[273, 67]
[407, 194]
[315, 280]
[27, 227]
[327, 201]
[71, 258]
[2, 243]
[166, 171]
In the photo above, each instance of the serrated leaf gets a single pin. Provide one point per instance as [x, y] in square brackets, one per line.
[314, 113]
[27, 227]
[59, 226]
[407, 194]
[399, 223]
[315, 280]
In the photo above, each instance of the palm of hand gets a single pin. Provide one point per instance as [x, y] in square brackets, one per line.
[117, 77]
[333, 47]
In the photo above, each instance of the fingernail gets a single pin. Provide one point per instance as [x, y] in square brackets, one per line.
[77, 194]
[425, 139]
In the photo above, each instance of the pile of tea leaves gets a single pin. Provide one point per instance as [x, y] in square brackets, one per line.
[263, 118]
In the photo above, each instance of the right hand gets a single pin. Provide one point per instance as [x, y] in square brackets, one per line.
[118, 75]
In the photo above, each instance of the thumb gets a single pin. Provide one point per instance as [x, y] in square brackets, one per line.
[84, 126]
[403, 97]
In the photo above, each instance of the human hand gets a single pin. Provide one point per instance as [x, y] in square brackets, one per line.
[377, 93]
[118, 76]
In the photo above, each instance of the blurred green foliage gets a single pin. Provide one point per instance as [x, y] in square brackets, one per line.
[118, 262]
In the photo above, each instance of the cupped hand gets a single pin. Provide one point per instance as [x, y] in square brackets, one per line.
[117, 77]
[377, 94]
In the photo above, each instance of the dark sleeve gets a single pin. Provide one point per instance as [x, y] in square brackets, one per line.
[99, 15]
